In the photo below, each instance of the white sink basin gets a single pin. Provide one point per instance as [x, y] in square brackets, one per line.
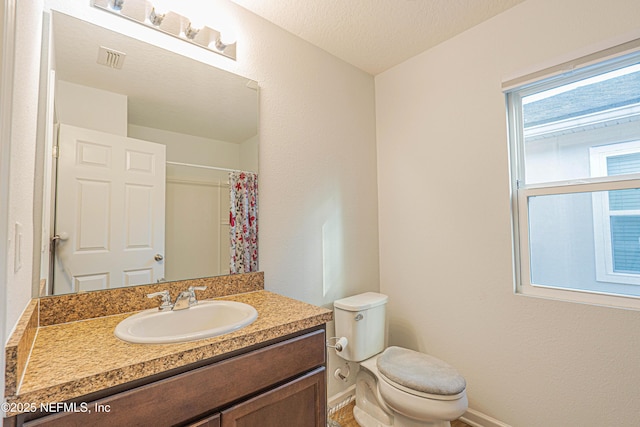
[203, 320]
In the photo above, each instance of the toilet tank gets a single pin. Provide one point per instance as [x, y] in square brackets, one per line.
[361, 320]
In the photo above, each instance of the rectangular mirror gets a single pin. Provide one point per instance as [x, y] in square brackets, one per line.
[136, 146]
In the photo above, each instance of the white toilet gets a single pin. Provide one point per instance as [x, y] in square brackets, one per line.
[395, 386]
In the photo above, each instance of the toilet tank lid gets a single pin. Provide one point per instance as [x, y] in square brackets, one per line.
[361, 301]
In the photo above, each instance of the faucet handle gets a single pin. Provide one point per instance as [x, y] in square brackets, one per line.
[166, 299]
[192, 291]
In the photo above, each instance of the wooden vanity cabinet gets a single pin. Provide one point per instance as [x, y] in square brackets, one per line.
[213, 421]
[283, 383]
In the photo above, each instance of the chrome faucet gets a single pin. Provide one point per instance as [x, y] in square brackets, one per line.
[184, 300]
[187, 298]
[165, 305]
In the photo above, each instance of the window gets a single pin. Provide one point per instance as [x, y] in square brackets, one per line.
[575, 162]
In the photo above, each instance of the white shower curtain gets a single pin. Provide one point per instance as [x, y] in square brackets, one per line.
[243, 222]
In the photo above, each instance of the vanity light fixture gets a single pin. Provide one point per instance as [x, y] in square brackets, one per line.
[157, 15]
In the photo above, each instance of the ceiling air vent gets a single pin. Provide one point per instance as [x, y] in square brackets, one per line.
[111, 58]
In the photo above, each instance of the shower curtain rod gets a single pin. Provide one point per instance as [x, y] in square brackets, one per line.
[203, 167]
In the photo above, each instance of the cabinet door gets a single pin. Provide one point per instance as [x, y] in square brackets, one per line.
[212, 421]
[298, 403]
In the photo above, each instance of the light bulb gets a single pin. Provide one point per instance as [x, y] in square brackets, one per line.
[227, 36]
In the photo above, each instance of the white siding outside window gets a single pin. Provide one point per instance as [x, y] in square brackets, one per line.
[616, 215]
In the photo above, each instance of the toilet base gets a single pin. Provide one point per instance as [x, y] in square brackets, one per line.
[365, 420]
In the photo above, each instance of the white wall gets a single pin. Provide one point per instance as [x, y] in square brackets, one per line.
[91, 108]
[318, 195]
[15, 289]
[22, 156]
[445, 237]
[185, 148]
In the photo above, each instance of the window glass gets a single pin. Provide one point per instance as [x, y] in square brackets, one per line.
[575, 142]
[562, 246]
[560, 124]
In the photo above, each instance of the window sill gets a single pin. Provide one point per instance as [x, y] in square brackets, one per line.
[580, 297]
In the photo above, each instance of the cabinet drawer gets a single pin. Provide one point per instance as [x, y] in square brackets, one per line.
[191, 394]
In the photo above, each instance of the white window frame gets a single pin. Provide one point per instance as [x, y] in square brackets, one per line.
[515, 91]
[602, 213]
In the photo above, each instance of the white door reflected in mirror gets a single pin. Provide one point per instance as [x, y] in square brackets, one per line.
[111, 205]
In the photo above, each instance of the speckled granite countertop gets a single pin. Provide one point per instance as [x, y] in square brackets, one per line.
[73, 359]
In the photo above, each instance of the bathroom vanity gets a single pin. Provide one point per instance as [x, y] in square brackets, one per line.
[261, 387]
[267, 372]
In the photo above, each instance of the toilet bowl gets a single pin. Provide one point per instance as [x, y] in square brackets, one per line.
[395, 386]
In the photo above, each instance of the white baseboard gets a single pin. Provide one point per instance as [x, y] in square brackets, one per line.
[341, 396]
[478, 419]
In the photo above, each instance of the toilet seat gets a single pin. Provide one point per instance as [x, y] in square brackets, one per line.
[420, 394]
[420, 374]
[414, 410]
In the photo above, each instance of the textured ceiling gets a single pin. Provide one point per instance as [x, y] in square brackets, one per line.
[375, 35]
